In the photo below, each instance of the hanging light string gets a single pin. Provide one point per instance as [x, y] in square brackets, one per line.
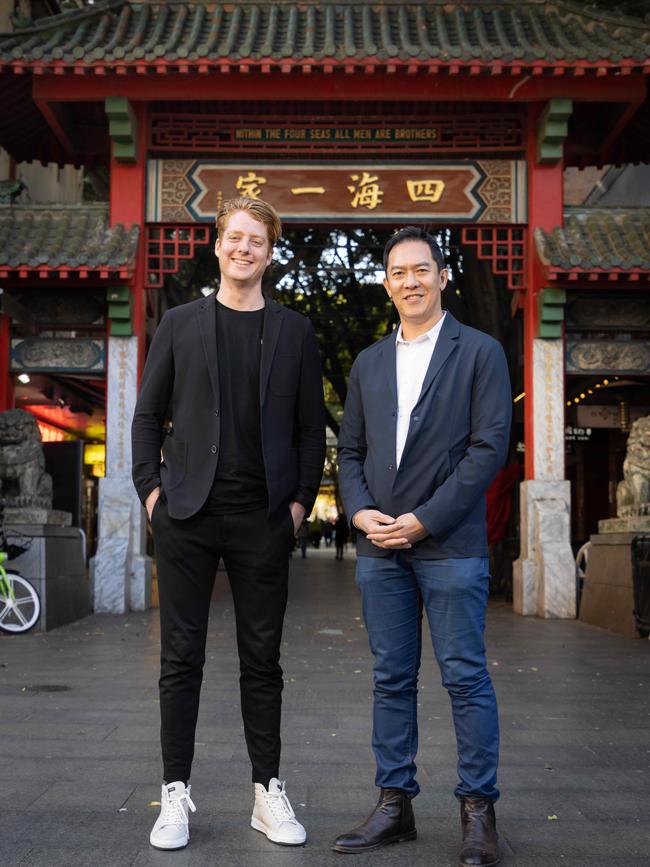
[587, 393]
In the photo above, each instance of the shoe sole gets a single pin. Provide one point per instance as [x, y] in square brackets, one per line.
[400, 838]
[259, 826]
[167, 848]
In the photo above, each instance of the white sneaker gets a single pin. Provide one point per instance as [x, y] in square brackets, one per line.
[274, 816]
[171, 830]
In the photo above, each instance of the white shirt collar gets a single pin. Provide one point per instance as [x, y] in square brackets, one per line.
[431, 334]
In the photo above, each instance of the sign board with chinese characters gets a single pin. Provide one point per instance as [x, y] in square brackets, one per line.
[465, 191]
[577, 434]
[607, 415]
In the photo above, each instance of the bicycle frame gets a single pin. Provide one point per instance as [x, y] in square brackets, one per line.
[5, 587]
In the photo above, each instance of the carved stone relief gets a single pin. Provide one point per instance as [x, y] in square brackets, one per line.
[607, 356]
[58, 354]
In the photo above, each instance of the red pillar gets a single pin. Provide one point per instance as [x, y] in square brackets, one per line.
[545, 211]
[6, 380]
[127, 206]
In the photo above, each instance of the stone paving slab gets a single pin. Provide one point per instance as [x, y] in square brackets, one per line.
[80, 756]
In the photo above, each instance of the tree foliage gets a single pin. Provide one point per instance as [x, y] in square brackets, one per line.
[334, 277]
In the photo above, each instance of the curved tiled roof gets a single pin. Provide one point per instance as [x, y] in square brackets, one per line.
[117, 32]
[64, 236]
[600, 239]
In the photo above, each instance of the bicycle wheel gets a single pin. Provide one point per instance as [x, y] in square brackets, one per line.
[21, 613]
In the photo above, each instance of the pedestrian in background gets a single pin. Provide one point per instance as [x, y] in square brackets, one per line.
[341, 535]
[303, 538]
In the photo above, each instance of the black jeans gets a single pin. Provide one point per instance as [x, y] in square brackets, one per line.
[255, 552]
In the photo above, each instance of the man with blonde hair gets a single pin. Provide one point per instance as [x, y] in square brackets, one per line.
[232, 395]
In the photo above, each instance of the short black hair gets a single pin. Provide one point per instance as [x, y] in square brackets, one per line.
[414, 233]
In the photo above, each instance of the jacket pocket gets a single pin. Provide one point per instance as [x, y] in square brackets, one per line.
[174, 461]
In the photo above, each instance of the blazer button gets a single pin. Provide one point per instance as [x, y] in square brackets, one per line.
[391, 467]
[213, 449]
[216, 412]
[416, 418]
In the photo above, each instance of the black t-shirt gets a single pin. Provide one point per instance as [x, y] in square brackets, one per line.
[240, 482]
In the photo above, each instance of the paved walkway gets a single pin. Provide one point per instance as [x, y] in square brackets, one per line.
[79, 741]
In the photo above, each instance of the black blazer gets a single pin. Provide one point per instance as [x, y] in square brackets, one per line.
[180, 385]
[457, 440]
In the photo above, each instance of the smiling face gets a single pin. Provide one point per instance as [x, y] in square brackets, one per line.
[414, 283]
[244, 252]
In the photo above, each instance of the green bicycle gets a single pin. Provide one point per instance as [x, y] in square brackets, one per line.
[20, 606]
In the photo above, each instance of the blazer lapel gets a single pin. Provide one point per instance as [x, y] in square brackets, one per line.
[208, 328]
[270, 335]
[390, 366]
[445, 345]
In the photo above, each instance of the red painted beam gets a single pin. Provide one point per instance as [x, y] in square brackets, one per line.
[49, 112]
[338, 86]
[65, 273]
[545, 211]
[617, 129]
[6, 381]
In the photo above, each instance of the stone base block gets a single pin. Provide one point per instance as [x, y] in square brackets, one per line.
[121, 572]
[140, 583]
[524, 590]
[54, 563]
[544, 582]
[608, 592]
[110, 576]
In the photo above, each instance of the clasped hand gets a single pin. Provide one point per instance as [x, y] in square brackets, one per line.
[391, 533]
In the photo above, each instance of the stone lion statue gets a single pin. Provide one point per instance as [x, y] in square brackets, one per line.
[633, 493]
[23, 480]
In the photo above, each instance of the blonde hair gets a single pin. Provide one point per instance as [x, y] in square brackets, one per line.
[258, 209]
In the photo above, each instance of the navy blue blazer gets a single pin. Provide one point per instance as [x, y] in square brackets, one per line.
[457, 440]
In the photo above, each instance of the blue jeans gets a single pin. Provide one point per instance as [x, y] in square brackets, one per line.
[454, 593]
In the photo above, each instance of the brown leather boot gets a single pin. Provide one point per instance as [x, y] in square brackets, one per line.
[480, 846]
[392, 821]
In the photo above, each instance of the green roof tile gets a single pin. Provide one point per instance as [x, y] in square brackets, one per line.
[59, 236]
[510, 31]
[598, 238]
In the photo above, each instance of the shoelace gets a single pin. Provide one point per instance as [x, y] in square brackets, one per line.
[280, 806]
[173, 812]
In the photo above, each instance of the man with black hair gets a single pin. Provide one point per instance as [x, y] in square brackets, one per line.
[425, 430]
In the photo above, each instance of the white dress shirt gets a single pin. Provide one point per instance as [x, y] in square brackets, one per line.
[413, 357]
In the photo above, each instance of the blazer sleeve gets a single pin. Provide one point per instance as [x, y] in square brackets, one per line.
[311, 423]
[352, 450]
[491, 412]
[151, 409]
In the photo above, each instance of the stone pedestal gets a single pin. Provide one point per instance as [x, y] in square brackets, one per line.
[635, 524]
[121, 570]
[608, 591]
[544, 582]
[35, 515]
[55, 565]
